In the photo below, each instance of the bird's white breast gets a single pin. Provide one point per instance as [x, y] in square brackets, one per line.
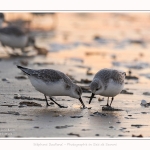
[51, 88]
[14, 40]
[112, 89]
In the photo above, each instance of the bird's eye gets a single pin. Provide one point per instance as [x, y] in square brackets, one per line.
[97, 89]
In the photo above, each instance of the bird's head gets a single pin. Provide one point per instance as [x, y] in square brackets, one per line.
[96, 87]
[76, 92]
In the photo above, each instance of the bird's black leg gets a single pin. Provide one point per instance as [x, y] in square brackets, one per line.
[56, 103]
[111, 101]
[47, 104]
[107, 102]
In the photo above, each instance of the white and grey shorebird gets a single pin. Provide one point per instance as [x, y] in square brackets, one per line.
[13, 36]
[108, 83]
[53, 83]
[1, 19]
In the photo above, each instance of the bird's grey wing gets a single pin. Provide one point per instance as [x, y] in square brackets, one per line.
[46, 75]
[117, 77]
[104, 75]
[49, 75]
[66, 79]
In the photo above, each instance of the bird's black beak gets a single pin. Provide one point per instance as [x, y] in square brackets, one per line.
[82, 102]
[91, 98]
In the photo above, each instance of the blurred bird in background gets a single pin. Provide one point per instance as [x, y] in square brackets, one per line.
[16, 37]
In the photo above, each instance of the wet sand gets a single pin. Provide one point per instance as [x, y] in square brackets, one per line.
[41, 121]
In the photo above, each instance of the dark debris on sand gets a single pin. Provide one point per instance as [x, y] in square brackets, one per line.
[125, 92]
[132, 77]
[74, 134]
[24, 103]
[105, 108]
[26, 119]
[4, 79]
[76, 116]
[138, 125]
[146, 93]
[18, 96]
[137, 135]
[2, 122]
[99, 113]
[62, 127]
[10, 112]
[8, 105]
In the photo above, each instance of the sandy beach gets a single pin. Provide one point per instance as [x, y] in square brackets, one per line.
[80, 45]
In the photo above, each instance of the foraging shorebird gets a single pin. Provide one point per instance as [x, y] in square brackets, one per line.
[1, 19]
[14, 37]
[107, 82]
[53, 83]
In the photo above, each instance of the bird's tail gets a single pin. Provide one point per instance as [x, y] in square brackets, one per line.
[25, 70]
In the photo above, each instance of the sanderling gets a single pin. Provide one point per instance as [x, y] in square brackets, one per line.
[107, 82]
[1, 19]
[14, 37]
[53, 83]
